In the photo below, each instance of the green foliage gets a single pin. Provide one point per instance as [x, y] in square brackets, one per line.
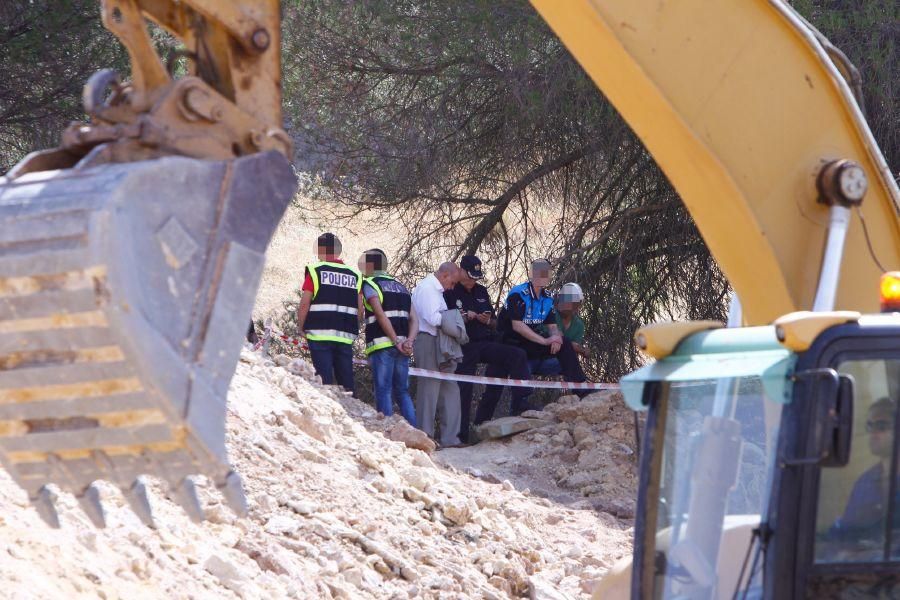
[48, 49]
[469, 128]
[868, 32]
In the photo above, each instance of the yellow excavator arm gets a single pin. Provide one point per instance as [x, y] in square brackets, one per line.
[741, 107]
[228, 104]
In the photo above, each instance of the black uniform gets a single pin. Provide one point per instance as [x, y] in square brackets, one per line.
[502, 360]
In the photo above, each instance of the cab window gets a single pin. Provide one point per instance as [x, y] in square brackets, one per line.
[855, 505]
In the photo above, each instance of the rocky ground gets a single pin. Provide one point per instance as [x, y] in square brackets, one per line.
[341, 510]
[580, 453]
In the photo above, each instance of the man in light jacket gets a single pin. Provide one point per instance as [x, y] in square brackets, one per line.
[434, 396]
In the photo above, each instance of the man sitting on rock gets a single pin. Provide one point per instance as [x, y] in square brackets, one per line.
[530, 311]
[568, 301]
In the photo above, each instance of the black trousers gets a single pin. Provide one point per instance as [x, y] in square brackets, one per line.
[502, 360]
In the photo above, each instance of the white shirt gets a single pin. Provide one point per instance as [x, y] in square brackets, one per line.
[428, 300]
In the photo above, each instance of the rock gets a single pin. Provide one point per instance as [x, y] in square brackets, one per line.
[582, 478]
[370, 460]
[569, 456]
[553, 518]
[414, 495]
[588, 443]
[591, 459]
[624, 449]
[595, 408]
[538, 414]
[226, 572]
[505, 426]
[315, 426]
[418, 478]
[411, 437]
[581, 432]
[507, 485]
[266, 502]
[563, 438]
[281, 525]
[457, 511]
[301, 508]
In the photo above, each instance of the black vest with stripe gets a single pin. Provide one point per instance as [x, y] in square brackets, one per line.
[395, 300]
[334, 314]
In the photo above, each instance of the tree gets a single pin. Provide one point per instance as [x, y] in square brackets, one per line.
[48, 49]
[468, 127]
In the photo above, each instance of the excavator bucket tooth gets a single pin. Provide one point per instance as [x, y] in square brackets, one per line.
[139, 500]
[233, 491]
[44, 502]
[125, 292]
[186, 495]
[92, 506]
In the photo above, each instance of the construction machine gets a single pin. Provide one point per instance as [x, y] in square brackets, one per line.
[769, 460]
[130, 256]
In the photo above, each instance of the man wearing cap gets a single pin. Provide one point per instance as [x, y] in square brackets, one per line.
[328, 312]
[568, 301]
[529, 307]
[473, 301]
[391, 328]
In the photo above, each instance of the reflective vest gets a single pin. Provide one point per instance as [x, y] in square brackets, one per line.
[333, 315]
[536, 309]
[395, 300]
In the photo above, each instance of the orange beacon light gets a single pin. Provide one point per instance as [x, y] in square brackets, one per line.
[890, 292]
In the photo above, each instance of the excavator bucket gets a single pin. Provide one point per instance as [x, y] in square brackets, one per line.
[125, 293]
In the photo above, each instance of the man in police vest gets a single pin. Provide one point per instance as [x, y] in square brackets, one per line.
[328, 314]
[503, 360]
[530, 309]
[391, 329]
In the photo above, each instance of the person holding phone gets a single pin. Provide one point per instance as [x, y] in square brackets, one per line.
[473, 301]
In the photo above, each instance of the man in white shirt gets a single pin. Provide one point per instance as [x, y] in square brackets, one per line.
[434, 395]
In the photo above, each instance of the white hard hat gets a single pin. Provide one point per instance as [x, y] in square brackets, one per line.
[571, 292]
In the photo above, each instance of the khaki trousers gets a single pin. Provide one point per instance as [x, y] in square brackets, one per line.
[434, 396]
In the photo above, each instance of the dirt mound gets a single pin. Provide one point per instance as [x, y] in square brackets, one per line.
[337, 510]
[582, 456]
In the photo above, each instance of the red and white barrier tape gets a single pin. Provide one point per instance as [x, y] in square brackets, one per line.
[532, 383]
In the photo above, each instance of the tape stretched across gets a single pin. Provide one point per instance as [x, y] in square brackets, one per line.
[417, 372]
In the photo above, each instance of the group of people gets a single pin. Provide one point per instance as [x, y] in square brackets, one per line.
[447, 323]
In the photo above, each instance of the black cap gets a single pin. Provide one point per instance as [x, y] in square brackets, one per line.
[472, 265]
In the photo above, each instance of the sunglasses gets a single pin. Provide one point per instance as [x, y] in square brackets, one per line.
[878, 426]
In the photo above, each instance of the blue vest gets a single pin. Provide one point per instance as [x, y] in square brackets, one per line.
[536, 309]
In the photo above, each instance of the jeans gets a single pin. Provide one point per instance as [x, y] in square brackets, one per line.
[390, 373]
[545, 366]
[570, 365]
[333, 361]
